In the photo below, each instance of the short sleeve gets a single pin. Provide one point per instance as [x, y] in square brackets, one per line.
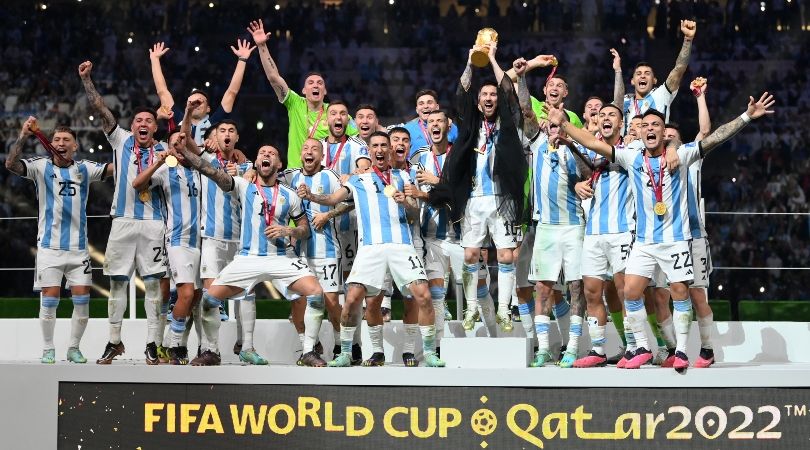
[453, 134]
[218, 116]
[160, 177]
[361, 153]
[95, 171]
[295, 207]
[624, 156]
[662, 97]
[689, 153]
[240, 185]
[118, 137]
[293, 101]
[34, 167]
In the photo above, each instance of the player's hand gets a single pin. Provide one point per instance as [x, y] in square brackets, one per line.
[672, 161]
[231, 169]
[492, 48]
[320, 220]
[399, 197]
[617, 60]
[520, 65]
[584, 190]
[412, 191]
[345, 177]
[192, 104]
[555, 115]
[761, 107]
[84, 69]
[164, 113]
[181, 142]
[158, 50]
[211, 145]
[424, 177]
[470, 53]
[688, 28]
[698, 86]
[28, 127]
[250, 175]
[256, 30]
[303, 191]
[542, 61]
[243, 49]
[276, 231]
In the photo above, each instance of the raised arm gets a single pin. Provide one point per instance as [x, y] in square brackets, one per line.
[94, 98]
[466, 77]
[155, 53]
[189, 150]
[141, 182]
[534, 63]
[618, 81]
[496, 68]
[755, 110]
[698, 87]
[530, 125]
[243, 50]
[13, 163]
[558, 116]
[688, 29]
[256, 29]
[324, 199]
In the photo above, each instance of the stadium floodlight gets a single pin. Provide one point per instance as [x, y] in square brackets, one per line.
[259, 125]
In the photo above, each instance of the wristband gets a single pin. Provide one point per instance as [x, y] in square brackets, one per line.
[745, 117]
[242, 59]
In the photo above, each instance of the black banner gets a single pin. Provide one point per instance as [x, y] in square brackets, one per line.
[194, 416]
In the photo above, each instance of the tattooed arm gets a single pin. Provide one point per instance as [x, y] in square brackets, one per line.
[94, 98]
[756, 109]
[530, 125]
[256, 29]
[688, 29]
[324, 199]
[300, 231]
[618, 82]
[220, 177]
[13, 163]
[466, 77]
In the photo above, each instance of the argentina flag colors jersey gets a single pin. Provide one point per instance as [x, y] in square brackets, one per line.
[695, 217]
[62, 195]
[287, 207]
[380, 220]
[435, 223]
[342, 158]
[673, 226]
[198, 130]
[484, 183]
[321, 243]
[221, 215]
[126, 201]
[181, 190]
[658, 99]
[554, 175]
[612, 210]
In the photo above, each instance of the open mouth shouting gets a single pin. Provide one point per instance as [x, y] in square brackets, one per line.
[143, 132]
[554, 96]
[400, 151]
[316, 93]
[650, 139]
[489, 108]
[309, 159]
[643, 84]
[436, 134]
[338, 127]
[607, 128]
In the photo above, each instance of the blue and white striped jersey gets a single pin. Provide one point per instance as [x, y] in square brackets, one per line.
[198, 131]
[484, 183]
[612, 209]
[659, 99]
[321, 243]
[674, 225]
[181, 190]
[221, 216]
[287, 207]
[62, 194]
[344, 163]
[435, 223]
[380, 220]
[554, 175]
[420, 137]
[695, 214]
[415, 222]
[126, 202]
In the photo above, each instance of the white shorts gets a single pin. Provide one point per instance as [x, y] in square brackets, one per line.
[348, 248]
[673, 258]
[605, 254]
[445, 256]
[328, 272]
[52, 265]
[373, 261]
[135, 244]
[184, 264]
[524, 259]
[702, 260]
[246, 271]
[216, 255]
[557, 248]
[481, 218]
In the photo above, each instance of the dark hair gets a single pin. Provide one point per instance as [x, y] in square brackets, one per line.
[309, 74]
[644, 64]
[366, 106]
[674, 126]
[559, 77]
[398, 130]
[429, 92]
[488, 83]
[142, 109]
[611, 105]
[637, 116]
[201, 92]
[226, 122]
[595, 97]
[656, 113]
[381, 133]
[64, 129]
[336, 103]
[440, 111]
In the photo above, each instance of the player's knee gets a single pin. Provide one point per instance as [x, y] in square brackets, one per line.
[437, 292]
[81, 299]
[49, 302]
[315, 301]
[209, 301]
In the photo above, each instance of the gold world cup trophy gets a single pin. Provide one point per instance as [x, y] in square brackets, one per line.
[480, 57]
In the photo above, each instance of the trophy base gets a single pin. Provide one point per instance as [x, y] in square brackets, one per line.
[479, 59]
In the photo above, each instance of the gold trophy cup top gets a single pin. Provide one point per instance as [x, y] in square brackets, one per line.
[480, 58]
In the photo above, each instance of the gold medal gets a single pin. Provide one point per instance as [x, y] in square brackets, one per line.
[389, 190]
[171, 161]
[660, 208]
[554, 61]
[145, 196]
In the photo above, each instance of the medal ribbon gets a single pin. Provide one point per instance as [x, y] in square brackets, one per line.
[603, 165]
[331, 163]
[315, 125]
[436, 160]
[488, 130]
[658, 188]
[269, 208]
[48, 146]
[425, 133]
[386, 178]
[135, 148]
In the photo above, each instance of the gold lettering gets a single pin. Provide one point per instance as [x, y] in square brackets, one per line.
[621, 432]
[171, 418]
[534, 419]
[388, 422]
[579, 417]
[186, 416]
[149, 416]
[368, 419]
[652, 424]
[272, 414]
[248, 414]
[308, 407]
[431, 425]
[448, 418]
[561, 429]
[327, 419]
[210, 420]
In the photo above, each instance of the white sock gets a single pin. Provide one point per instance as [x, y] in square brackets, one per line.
[506, 285]
[487, 307]
[682, 320]
[163, 321]
[668, 331]
[247, 315]
[210, 322]
[47, 319]
[563, 319]
[469, 280]
[192, 322]
[437, 296]
[176, 329]
[409, 343]
[386, 302]
[237, 315]
[78, 321]
[428, 338]
[597, 333]
[541, 323]
[346, 339]
[636, 320]
[151, 303]
[116, 306]
[705, 325]
[375, 333]
[357, 338]
[313, 316]
[575, 331]
[527, 320]
[301, 339]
